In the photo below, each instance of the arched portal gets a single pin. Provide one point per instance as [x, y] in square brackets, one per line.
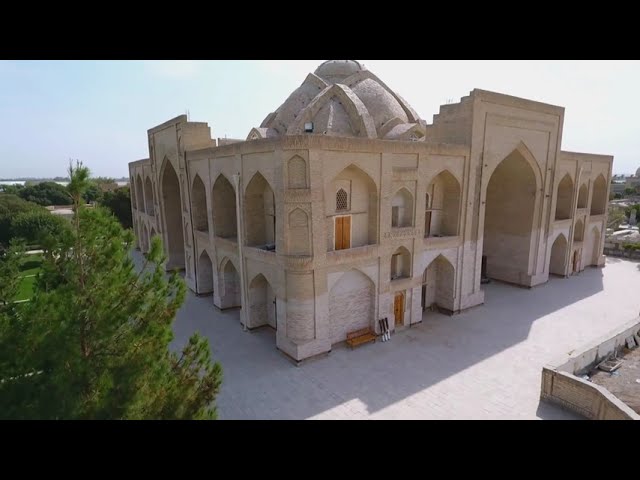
[148, 197]
[400, 264]
[508, 221]
[578, 231]
[260, 215]
[262, 303]
[225, 222]
[205, 274]
[442, 206]
[558, 259]
[563, 200]
[402, 209]
[599, 200]
[230, 282]
[438, 288]
[172, 217]
[352, 212]
[351, 305]
[139, 193]
[583, 196]
[199, 205]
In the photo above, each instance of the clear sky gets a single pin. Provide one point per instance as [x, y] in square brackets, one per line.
[99, 111]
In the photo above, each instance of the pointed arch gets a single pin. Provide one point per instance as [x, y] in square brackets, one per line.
[148, 197]
[558, 258]
[139, 193]
[400, 264]
[438, 285]
[362, 208]
[512, 193]
[599, 199]
[359, 118]
[297, 169]
[171, 202]
[262, 303]
[347, 314]
[229, 285]
[442, 215]
[199, 205]
[402, 209]
[223, 208]
[259, 213]
[205, 274]
[299, 238]
[583, 196]
[133, 193]
[564, 195]
[578, 231]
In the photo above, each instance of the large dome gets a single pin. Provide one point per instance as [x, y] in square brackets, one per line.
[638, 172]
[342, 98]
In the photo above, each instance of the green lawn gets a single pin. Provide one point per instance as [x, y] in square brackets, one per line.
[28, 271]
[26, 288]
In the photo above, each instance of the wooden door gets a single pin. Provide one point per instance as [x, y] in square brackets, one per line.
[398, 308]
[342, 233]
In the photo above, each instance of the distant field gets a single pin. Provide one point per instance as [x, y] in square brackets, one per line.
[28, 271]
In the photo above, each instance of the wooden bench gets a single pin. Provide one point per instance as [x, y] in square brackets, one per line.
[364, 335]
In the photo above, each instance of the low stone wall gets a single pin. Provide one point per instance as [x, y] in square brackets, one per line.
[560, 385]
[617, 250]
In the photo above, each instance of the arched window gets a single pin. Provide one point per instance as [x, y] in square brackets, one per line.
[342, 200]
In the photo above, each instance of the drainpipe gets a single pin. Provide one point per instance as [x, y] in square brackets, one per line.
[243, 299]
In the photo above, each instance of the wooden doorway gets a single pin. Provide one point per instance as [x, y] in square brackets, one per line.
[398, 309]
[342, 233]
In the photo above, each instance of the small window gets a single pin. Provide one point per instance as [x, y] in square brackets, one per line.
[342, 202]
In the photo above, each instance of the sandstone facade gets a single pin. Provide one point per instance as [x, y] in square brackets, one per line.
[344, 206]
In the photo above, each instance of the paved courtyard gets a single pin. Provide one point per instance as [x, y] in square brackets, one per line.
[482, 364]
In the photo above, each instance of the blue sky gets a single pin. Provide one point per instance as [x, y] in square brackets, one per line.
[99, 111]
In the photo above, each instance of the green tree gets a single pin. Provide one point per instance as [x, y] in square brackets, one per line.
[629, 191]
[9, 278]
[33, 226]
[10, 207]
[46, 193]
[119, 203]
[13, 188]
[93, 343]
[105, 184]
[92, 193]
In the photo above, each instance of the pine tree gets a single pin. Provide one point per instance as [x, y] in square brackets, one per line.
[93, 342]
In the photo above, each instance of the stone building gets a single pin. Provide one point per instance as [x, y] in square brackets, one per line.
[344, 207]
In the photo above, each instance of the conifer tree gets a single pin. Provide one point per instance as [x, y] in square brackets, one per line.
[93, 342]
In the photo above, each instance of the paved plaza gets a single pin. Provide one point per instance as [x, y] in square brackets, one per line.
[482, 364]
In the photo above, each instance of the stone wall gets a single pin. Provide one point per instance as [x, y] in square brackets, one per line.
[560, 384]
[618, 250]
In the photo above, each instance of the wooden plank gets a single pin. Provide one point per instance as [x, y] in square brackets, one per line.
[338, 234]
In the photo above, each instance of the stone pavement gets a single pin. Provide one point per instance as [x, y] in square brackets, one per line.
[482, 364]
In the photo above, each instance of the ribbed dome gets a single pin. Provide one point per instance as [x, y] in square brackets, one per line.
[342, 98]
[335, 70]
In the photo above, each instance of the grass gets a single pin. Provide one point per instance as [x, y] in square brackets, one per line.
[28, 271]
[25, 291]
